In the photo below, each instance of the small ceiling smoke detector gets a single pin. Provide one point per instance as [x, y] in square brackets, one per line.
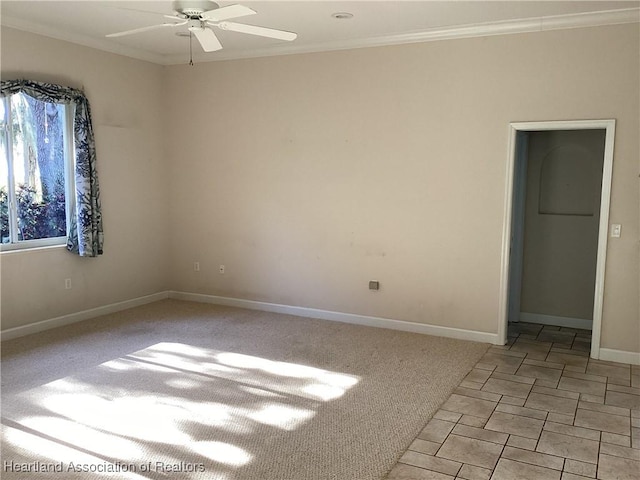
[342, 15]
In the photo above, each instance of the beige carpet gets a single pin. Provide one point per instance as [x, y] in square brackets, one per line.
[179, 390]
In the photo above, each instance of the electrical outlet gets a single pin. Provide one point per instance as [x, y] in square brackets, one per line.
[67, 284]
[221, 268]
[196, 266]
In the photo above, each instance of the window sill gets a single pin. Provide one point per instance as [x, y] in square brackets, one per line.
[42, 248]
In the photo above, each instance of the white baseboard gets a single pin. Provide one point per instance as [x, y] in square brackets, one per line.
[16, 332]
[379, 322]
[556, 320]
[620, 356]
[461, 334]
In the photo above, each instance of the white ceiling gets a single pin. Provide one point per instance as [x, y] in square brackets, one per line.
[373, 23]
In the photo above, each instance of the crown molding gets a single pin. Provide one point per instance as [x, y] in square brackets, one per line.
[509, 27]
[529, 25]
[99, 44]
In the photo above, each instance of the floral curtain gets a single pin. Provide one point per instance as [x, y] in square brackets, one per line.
[85, 236]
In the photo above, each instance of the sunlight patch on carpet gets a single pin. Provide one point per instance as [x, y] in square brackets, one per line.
[176, 398]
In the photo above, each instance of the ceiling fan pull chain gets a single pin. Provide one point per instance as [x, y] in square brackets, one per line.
[191, 49]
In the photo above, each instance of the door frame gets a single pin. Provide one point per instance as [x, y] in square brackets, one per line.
[603, 229]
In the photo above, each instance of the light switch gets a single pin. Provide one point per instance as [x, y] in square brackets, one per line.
[615, 230]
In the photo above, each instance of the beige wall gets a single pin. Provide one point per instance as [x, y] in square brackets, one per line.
[308, 175]
[125, 99]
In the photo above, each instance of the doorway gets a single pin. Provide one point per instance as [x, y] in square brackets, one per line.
[556, 224]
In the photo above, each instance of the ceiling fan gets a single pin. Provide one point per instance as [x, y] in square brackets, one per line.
[200, 16]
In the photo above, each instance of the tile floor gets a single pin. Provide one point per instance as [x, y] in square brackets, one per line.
[537, 408]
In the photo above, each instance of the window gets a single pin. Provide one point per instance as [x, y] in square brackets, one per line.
[36, 172]
[48, 159]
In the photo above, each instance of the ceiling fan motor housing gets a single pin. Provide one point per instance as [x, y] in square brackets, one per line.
[195, 24]
[194, 8]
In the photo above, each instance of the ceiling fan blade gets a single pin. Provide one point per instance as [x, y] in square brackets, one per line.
[224, 13]
[207, 39]
[145, 29]
[261, 31]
